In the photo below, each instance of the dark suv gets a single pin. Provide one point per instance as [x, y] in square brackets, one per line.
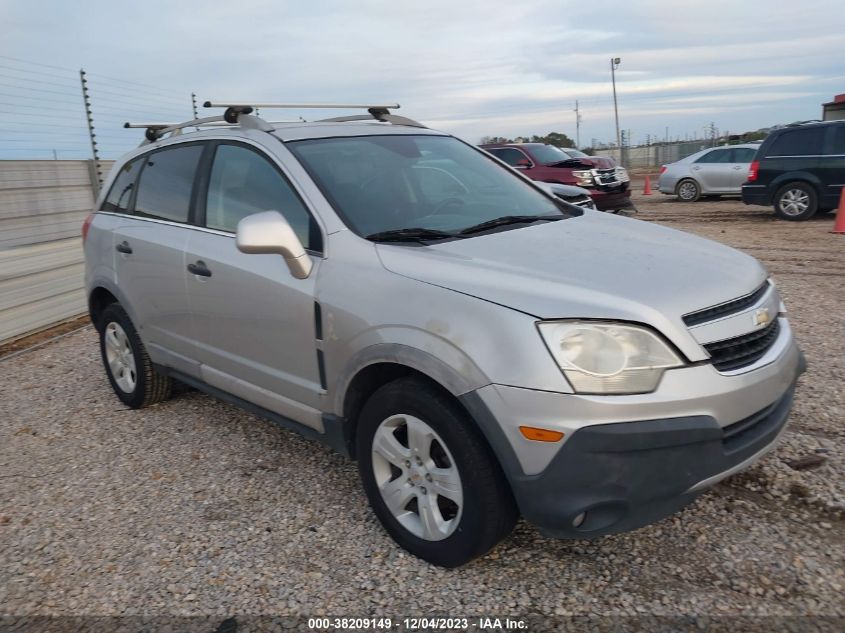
[607, 183]
[799, 169]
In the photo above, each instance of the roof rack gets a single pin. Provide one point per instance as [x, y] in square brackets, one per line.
[241, 114]
[377, 112]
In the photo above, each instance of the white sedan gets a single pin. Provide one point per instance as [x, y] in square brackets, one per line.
[711, 172]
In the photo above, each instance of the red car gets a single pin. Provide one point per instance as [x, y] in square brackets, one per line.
[607, 183]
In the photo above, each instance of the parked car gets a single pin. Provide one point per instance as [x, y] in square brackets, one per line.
[608, 186]
[799, 170]
[484, 349]
[710, 172]
[578, 196]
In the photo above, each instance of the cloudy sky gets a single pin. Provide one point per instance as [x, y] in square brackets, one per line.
[497, 67]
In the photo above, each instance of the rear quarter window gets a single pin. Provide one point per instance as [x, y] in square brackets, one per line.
[838, 146]
[121, 190]
[800, 142]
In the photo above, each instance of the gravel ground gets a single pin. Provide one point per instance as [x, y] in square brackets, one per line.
[195, 507]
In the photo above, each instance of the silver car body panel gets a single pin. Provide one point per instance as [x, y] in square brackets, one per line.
[554, 271]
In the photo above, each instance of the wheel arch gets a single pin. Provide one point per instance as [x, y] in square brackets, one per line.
[804, 177]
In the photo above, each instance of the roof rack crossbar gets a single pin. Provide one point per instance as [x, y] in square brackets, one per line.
[386, 118]
[299, 106]
[377, 112]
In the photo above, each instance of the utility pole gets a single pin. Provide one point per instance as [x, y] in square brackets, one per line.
[89, 117]
[194, 105]
[577, 127]
[614, 63]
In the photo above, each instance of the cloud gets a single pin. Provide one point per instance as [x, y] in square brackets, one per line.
[473, 67]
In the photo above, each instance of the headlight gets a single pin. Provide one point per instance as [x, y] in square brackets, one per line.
[584, 176]
[622, 174]
[608, 357]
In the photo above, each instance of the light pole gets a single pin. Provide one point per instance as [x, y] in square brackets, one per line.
[614, 63]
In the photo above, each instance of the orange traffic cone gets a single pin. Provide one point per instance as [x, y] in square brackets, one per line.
[647, 188]
[839, 225]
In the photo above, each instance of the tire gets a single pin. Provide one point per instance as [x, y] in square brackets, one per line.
[127, 363]
[476, 511]
[688, 190]
[796, 201]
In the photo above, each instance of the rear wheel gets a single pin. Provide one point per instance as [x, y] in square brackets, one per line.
[796, 201]
[128, 366]
[688, 190]
[429, 475]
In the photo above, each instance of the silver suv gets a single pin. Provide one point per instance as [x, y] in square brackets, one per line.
[483, 349]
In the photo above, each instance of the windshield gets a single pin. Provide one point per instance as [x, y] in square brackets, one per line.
[548, 154]
[576, 153]
[389, 183]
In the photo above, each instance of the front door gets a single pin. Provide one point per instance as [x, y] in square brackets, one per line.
[253, 321]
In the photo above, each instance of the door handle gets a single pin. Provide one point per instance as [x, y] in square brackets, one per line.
[737, 166]
[124, 248]
[199, 268]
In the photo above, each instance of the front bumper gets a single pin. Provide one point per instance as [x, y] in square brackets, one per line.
[627, 461]
[611, 198]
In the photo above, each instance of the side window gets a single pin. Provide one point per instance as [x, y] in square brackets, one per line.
[244, 182]
[121, 191]
[744, 154]
[167, 179]
[801, 142]
[716, 156]
[510, 155]
[838, 147]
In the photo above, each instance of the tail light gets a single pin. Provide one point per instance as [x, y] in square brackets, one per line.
[86, 224]
[752, 170]
[662, 168]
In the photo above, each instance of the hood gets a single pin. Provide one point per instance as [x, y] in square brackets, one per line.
[600, 162]
[592, 266]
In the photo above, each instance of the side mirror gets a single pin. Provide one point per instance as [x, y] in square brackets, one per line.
[268, 232]
[523, 163]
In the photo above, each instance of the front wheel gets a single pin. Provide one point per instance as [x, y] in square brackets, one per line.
[429, 475]
[796, 201]
[128, 366]
[688, 190]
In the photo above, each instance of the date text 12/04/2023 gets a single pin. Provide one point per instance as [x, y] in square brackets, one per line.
[418, 623]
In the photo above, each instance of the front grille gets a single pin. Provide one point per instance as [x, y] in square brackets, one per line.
[725, 309]
[605, 176]
[741, 351]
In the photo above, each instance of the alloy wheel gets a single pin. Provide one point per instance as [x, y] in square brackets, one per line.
[120, 357]
[794, 202]
[417, 477]
[687, 191]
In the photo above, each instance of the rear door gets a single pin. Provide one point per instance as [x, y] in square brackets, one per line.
[255, 322]
[832, 167]
[150, 242]
[714, 171]
[742, 157]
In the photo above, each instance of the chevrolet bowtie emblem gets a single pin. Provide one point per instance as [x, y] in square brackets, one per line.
[761, 317]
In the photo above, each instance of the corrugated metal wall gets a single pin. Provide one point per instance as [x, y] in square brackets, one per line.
[42, 206]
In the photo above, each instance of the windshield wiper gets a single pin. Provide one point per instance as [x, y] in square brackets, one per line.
[508, 219]
[412, 234]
